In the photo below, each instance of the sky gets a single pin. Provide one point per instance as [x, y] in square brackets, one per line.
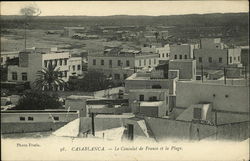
[106, 8]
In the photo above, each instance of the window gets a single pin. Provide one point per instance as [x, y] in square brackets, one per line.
[1, 59]
[145, 62]
[24, 76]
[157, 86]
[163, 55]
[78, 67]
[141, 97]
[14, 75]
[45, 63]
[139, 62]
[238, 58]
[30, 118]
[220, 60]
[127, 63]
[180, 56]
[22, 118]
[56, 118]
[65, 73]
[154, 61]
[210, 60]
[153, 98]
[175, 56]
[65, 61]
[200, 59]
[94, 62]
[230, 59]
[117, 76]
[119, 63]
[73, 67]
[149, 61]
[110, 63]
[197, 113]
[234, 58]
[185, 57]
[55, 62]
[167, 55]
[102, 62]
[60, 61]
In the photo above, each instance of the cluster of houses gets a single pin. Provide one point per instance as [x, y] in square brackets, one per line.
[185, 91]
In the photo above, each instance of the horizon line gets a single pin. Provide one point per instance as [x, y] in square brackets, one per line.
[135, 14]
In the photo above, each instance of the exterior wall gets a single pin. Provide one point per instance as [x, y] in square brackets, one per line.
[75, 66]
[187, 68]
[181, 51]
[133, 61]
[154, 111]
[211, 43]
[35, 64]
[227, 98]
[245, 57]
[234, 56]
[109, 123]
[31, 63]
[146, 84]
[77, 104]
[164, 129]
[214, 54]
[206, 110]
[57, 57]
[8, 55]
[164, 52]
[19, 71]
[38, 117]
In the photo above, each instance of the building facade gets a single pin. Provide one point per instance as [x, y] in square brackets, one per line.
[30, 62]
[213, 54]
[181, 51]
[120, 64]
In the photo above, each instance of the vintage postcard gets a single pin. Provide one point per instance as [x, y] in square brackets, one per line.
[124, 80]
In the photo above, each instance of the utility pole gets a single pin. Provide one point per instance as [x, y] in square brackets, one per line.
[201, 73]
[93, 123]
[225, 76]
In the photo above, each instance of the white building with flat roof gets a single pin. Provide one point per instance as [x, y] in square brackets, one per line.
[32, 61]
[121, 63]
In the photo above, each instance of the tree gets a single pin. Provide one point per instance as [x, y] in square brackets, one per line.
[92, 81]
[28, 12]
[49, 78]
[37, 100]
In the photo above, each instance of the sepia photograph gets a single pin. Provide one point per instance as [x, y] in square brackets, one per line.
[124, 80]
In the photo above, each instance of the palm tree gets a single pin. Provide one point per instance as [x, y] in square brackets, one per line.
[49, 78]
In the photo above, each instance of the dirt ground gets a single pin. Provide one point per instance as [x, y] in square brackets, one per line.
[14, 41]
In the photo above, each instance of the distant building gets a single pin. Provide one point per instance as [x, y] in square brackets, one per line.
[75, 66]
[71, 31]
[181, 51]
[186, 68]
[34, 60]
[163, 52]
[121, 63]
[215, 55]
[6, 55]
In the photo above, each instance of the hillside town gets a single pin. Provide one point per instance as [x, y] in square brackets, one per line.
[131, 81]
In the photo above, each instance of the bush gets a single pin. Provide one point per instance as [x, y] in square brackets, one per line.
[37, 100]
